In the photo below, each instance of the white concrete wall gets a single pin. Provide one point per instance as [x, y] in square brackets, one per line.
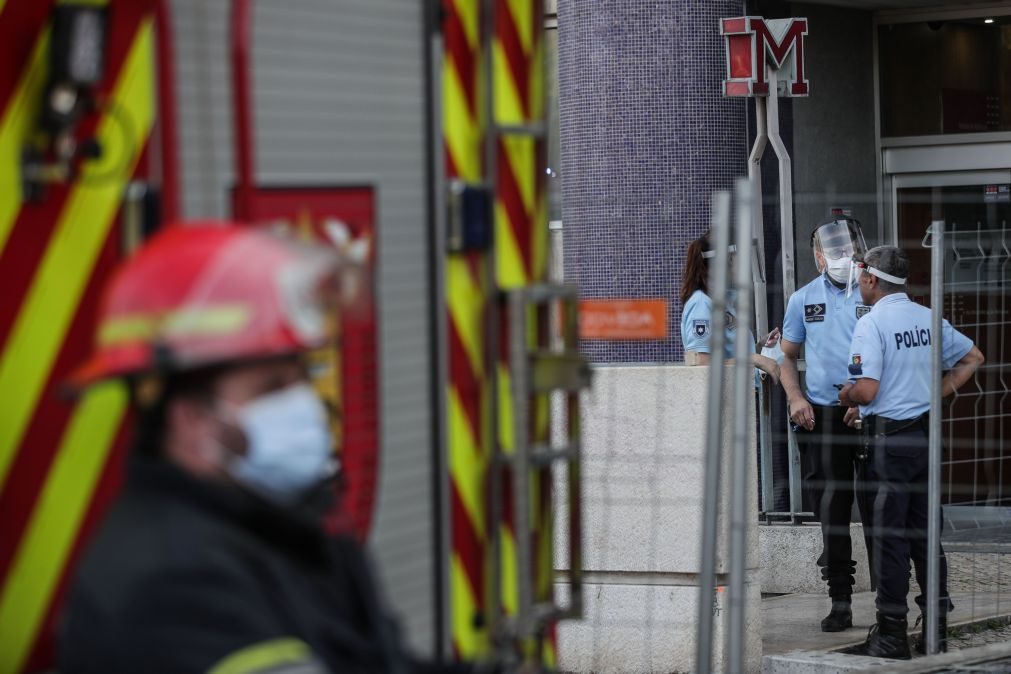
[643, 475]
[788, 558]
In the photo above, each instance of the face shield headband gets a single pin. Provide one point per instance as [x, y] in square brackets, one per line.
[874, 271]
[709, 254]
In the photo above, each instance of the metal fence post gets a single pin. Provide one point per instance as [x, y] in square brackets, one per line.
[718, 272]
[934, 456]
[740, 447]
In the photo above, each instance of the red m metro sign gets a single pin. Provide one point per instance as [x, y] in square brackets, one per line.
[753, 43]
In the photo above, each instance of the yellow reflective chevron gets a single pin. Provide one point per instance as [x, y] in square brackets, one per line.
[469, 641]
[15, 127]
[192, 322]
[467, 465]
[42, 555]
[265, 656]
[65, 269]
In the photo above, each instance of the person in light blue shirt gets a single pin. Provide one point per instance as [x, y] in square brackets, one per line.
[821, 316]
[697, 313]
[890, 374]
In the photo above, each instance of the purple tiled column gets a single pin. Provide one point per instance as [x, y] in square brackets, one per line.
[646, 137]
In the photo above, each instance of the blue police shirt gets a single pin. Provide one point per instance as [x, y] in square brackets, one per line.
[696, 326]
[821, 316]
[892, 345]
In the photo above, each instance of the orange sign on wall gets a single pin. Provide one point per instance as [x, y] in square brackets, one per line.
[623, 319]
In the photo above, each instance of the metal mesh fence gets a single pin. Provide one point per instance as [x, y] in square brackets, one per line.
[642, 479]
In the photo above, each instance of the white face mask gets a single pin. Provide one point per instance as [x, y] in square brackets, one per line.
[840, 270]
[289, 447]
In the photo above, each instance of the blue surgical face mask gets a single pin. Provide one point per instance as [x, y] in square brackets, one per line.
[289, 446]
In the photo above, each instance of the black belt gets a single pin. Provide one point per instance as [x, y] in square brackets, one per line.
[879, 425]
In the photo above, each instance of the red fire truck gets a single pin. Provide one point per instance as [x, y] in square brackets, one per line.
[411, 129]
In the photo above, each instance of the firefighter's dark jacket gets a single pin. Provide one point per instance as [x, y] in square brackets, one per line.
[188, 575]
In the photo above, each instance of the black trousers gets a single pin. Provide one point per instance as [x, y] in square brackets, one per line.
[830, 465]
[898, 479]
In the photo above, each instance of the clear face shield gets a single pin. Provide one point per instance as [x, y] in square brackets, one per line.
[710, 254]
[839, 241]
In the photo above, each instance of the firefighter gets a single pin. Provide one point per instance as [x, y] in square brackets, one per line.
[821, 317]
[696, 315]
[891, 383]
[214, 558]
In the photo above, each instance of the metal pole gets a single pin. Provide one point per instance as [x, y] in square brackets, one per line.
[785, 188]
[718, 272]
[520, 460]
[440, 344]
[494, 305]
[167, 118]
[739, 492]
[242, 104]
[755, 176]
[786, 234]
[793, 473]
[761, 302]
[934, 457]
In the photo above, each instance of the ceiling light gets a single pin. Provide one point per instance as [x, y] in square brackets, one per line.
[987, 20]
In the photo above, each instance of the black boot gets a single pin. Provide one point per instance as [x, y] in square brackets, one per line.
[886, 639]
[942, 634]
[841, 615]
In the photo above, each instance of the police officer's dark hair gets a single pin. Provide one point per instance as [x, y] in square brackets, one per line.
[696, 272]
[695, 275]
[891, 260]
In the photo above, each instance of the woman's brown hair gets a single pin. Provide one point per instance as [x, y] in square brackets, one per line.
[696, 272]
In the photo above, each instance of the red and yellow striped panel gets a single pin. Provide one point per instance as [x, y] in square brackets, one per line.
[521, 239]
[468, 395]
[520, 259]
[58, 459]
[520, 208]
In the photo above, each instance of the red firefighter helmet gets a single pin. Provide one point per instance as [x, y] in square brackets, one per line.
[208, 292]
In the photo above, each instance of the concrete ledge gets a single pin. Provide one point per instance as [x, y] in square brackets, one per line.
[789, 558]
[814, 662]
[648, 628]
[644, 454]
[643, 472]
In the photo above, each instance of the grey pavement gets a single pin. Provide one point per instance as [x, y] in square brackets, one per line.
[980, 583]
[792, 622]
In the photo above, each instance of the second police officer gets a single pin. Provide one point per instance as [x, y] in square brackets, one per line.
[821, 316]
[890, 376]
[696, 316]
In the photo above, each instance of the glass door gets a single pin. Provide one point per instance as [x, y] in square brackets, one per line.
[976, 209]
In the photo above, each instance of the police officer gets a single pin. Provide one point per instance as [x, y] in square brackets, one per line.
[697, 312]
[891, 383]
[821, 317]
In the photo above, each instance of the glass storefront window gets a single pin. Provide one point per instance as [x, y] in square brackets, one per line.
[940, 77]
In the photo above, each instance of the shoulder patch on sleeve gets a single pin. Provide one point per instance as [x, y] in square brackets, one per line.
[856, 367]
[700, 328]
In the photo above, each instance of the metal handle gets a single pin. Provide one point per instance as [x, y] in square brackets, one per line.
[538, 371]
